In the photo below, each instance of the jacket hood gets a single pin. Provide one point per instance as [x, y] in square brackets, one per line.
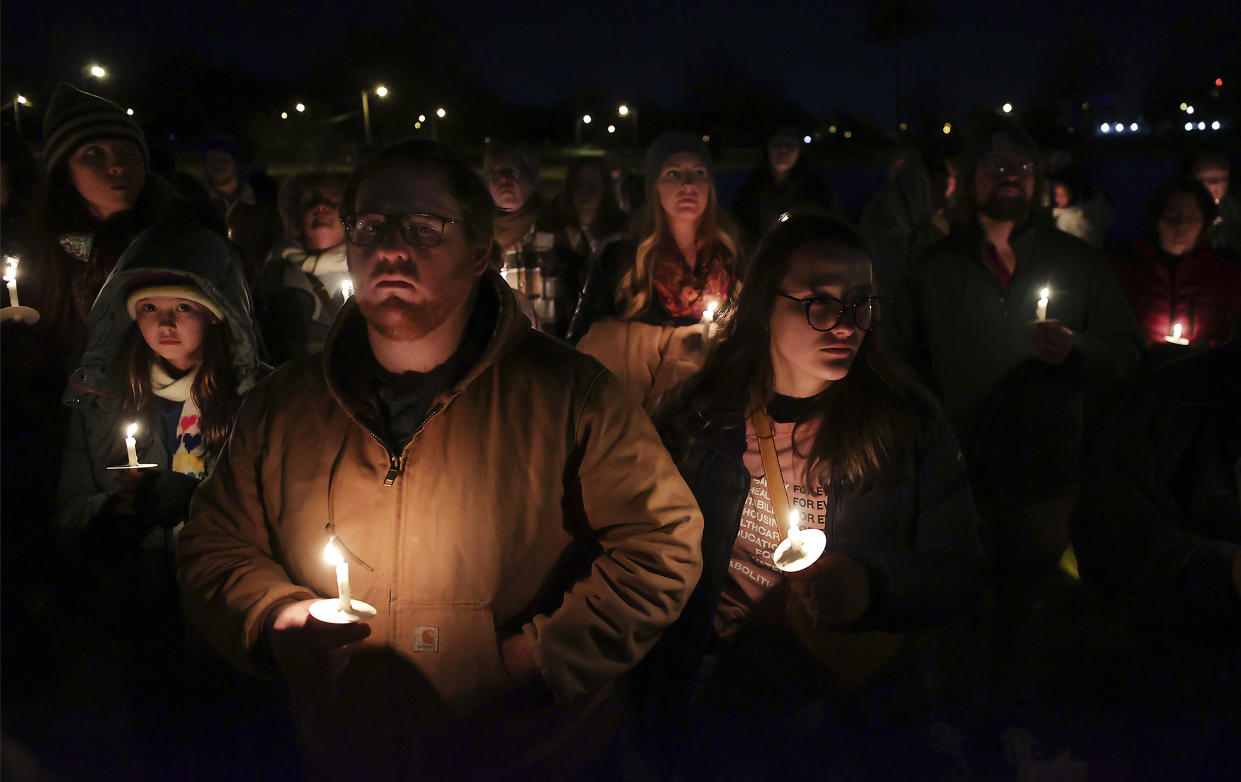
[511, 327]
[170, 248]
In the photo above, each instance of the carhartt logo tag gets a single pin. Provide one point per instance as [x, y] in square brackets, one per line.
[426, 639]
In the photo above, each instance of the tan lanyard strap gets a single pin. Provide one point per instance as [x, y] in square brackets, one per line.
[776, 489]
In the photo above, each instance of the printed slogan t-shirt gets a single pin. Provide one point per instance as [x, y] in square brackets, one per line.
[751, 575]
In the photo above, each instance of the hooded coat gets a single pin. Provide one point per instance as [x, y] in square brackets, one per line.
[533, 498]
[95, 389]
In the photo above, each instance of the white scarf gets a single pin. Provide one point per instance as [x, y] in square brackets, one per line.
[189, 457]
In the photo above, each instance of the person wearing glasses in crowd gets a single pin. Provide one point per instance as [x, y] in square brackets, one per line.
[546, 275]
[812, 666]
[477, 477]
[647, 306]
[1024, 333]
[304, 282]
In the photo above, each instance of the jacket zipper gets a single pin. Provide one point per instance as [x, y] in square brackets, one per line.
[395, 462]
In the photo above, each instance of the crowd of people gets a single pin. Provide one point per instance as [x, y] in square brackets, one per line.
[621, 483]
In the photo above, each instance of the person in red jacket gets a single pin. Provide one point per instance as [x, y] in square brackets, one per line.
[1184, 295]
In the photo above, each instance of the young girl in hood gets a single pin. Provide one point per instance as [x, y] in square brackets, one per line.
[171, 348]
[797, 412]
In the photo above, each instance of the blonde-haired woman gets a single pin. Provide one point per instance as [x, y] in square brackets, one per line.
[646, 306]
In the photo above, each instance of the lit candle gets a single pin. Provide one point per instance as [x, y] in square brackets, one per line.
[346, 288]
[10, 278]
[131, 445]
[794, 523]
[342, 575]
[1175, 337]
[1044, 296]
[708, 318]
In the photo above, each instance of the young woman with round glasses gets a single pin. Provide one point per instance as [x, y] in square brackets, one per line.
[799, 412]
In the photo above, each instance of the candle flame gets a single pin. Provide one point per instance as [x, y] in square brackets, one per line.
[332, 554]
[1176, 331]
[10, 268]
[794, 521]
[346, 288]
[709, 312]
[1044, 294]
[131, 430]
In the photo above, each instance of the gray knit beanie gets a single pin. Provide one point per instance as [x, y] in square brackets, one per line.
[75, 117]
[669, 144]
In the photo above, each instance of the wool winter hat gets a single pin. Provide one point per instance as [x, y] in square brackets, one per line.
[986, 132]
[669, 144]
[149, 285]
[75, 117]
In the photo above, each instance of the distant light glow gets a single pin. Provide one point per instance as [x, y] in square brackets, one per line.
[1008, 108]
[1189, 109]
[422, 117]
[1085, 106]
[1219, 82]
[611, 128]
[1189, 126]
[806, 139]
[441, 113]
[417, 125]
[381, 91]
[903, 126]
[98, 71]
[1105, 128]
[130, 112]
[831, 128]
[706, 139]
[1133, 126]
[1215, 125]
[1120, 128]
[300, 107]
[848, 134]
[22, 100]
[784, 217]
[947, 128]
[586, 118]
[284, 115]
[1184, 105]
[1202, 126]
[622, 110]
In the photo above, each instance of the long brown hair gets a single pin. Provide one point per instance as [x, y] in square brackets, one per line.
[636, 286]
[214, 390]
[868, 416]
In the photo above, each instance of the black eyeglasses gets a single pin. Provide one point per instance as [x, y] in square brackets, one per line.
[998, 168]
[367, 229]
[825, 313]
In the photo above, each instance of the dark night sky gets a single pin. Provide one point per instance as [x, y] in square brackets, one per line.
[979, 53]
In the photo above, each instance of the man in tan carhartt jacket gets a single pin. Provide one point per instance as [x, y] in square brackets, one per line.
[524, 536]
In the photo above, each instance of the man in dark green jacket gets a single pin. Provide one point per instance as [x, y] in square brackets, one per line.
[1021, 329]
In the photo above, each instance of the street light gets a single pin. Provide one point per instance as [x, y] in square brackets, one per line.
[1215, 125]
[382, 92]
[284, 115]
[441, 113]
[301, 108]
[622, 110]
[1008, 108]
[129, 112]
[1189, 109]
[98, 71]
[611, 128]
[22, 100]
[1105, 128]
[947, 128]
[422, 117]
